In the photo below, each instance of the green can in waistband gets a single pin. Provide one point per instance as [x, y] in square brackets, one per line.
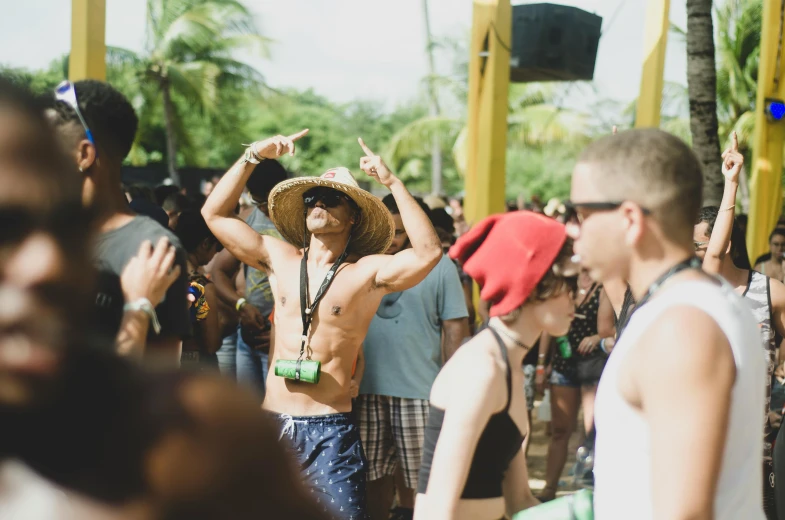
[578, 506]
[307, 371]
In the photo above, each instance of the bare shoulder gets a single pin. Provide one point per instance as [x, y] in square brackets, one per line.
[474, 371]
[373, 262]
[280, 251]
[777, 294]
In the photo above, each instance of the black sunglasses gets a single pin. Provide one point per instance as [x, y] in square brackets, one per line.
[330, 198]
[572, 209]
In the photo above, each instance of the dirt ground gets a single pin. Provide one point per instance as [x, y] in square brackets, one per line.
[538, 452]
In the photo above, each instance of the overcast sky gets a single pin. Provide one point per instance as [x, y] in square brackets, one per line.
[345, 49]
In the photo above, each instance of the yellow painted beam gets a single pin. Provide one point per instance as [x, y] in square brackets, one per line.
[88, 40]
[655, 44]
[766, 185]
[489, 81]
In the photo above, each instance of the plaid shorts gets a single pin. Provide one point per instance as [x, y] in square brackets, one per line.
[392, 430]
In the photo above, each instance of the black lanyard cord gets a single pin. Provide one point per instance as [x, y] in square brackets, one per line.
[690, 263]
[308, 308]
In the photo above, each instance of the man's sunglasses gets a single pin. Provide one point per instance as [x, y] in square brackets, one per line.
[66, 92]
[329, 197]
[573, 210]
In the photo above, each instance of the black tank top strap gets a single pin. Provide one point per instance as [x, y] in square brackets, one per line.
[503, 349]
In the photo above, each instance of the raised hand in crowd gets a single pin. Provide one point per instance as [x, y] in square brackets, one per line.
[374, 166]
[144, 281]
[275, 147]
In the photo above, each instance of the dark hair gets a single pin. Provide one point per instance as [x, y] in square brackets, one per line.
[708, 214]
[554, 281]
[192, 230]
[265, 176]
[176, 202]
[441, 219]
[163, 191]
[777, 231]
[137, 191]
[108, 113]
[389, 202]
[654, 169]
[738, 246]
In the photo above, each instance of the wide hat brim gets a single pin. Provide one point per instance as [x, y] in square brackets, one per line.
[372, 235]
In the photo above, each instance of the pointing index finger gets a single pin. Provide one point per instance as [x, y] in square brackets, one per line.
[734, 142]
[298, 135]
[364, 146]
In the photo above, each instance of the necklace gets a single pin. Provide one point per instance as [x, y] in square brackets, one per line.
[508, 336]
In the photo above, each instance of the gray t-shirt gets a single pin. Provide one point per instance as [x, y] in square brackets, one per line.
[113, 250]
[257, 287]
[402, 349]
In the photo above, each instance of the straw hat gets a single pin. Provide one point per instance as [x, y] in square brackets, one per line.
[372, 234]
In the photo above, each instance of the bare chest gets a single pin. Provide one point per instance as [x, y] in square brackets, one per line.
[347, 297]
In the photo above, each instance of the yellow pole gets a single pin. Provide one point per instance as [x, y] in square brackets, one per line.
[489, 81]
[655, 44]
[88, 42]
[766, 185]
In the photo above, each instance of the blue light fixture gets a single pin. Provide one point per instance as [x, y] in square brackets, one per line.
[775, 109]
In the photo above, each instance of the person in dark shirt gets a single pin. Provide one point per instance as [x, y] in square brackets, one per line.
[201, 246]
[98, 154]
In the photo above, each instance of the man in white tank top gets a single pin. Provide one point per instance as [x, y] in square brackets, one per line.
[680, 399]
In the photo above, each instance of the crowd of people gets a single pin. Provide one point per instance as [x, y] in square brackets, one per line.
[299, 347]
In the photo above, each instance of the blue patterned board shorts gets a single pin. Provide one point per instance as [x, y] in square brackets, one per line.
[332, 461]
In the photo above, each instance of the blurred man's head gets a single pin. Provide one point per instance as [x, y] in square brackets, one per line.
[634, 194]
[112, 122]
[173, 205]
[198, 241]
[263, 179]
[400, 239]
[45, 277]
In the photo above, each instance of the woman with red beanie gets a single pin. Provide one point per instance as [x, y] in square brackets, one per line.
[473, 463]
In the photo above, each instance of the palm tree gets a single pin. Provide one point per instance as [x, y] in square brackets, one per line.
[738, 53]
[433, 105]
[702, 85]
[189, 56]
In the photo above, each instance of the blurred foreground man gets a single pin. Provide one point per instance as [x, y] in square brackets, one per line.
[121, 443]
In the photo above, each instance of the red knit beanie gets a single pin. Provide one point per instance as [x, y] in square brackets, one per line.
[508, 254]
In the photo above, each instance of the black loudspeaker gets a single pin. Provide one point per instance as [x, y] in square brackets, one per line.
[553, 43]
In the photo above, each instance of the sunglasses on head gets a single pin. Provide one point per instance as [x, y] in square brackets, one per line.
[66, 93]
[329, 197]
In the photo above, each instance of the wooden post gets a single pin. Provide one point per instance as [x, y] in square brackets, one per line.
[766, 186]
[655, 44]
[489, 80]
[88, 40]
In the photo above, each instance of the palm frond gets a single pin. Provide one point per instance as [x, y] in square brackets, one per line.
[414, 139]
[196, 82]
[537, 125]
[678, 32]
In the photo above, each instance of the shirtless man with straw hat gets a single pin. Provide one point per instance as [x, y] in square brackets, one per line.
[335, 230]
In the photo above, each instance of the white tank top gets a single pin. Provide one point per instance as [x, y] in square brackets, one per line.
[622, 465]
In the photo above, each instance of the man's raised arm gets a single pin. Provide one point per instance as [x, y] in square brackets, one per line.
[409, 267]
[732, 161]
[239, 238]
